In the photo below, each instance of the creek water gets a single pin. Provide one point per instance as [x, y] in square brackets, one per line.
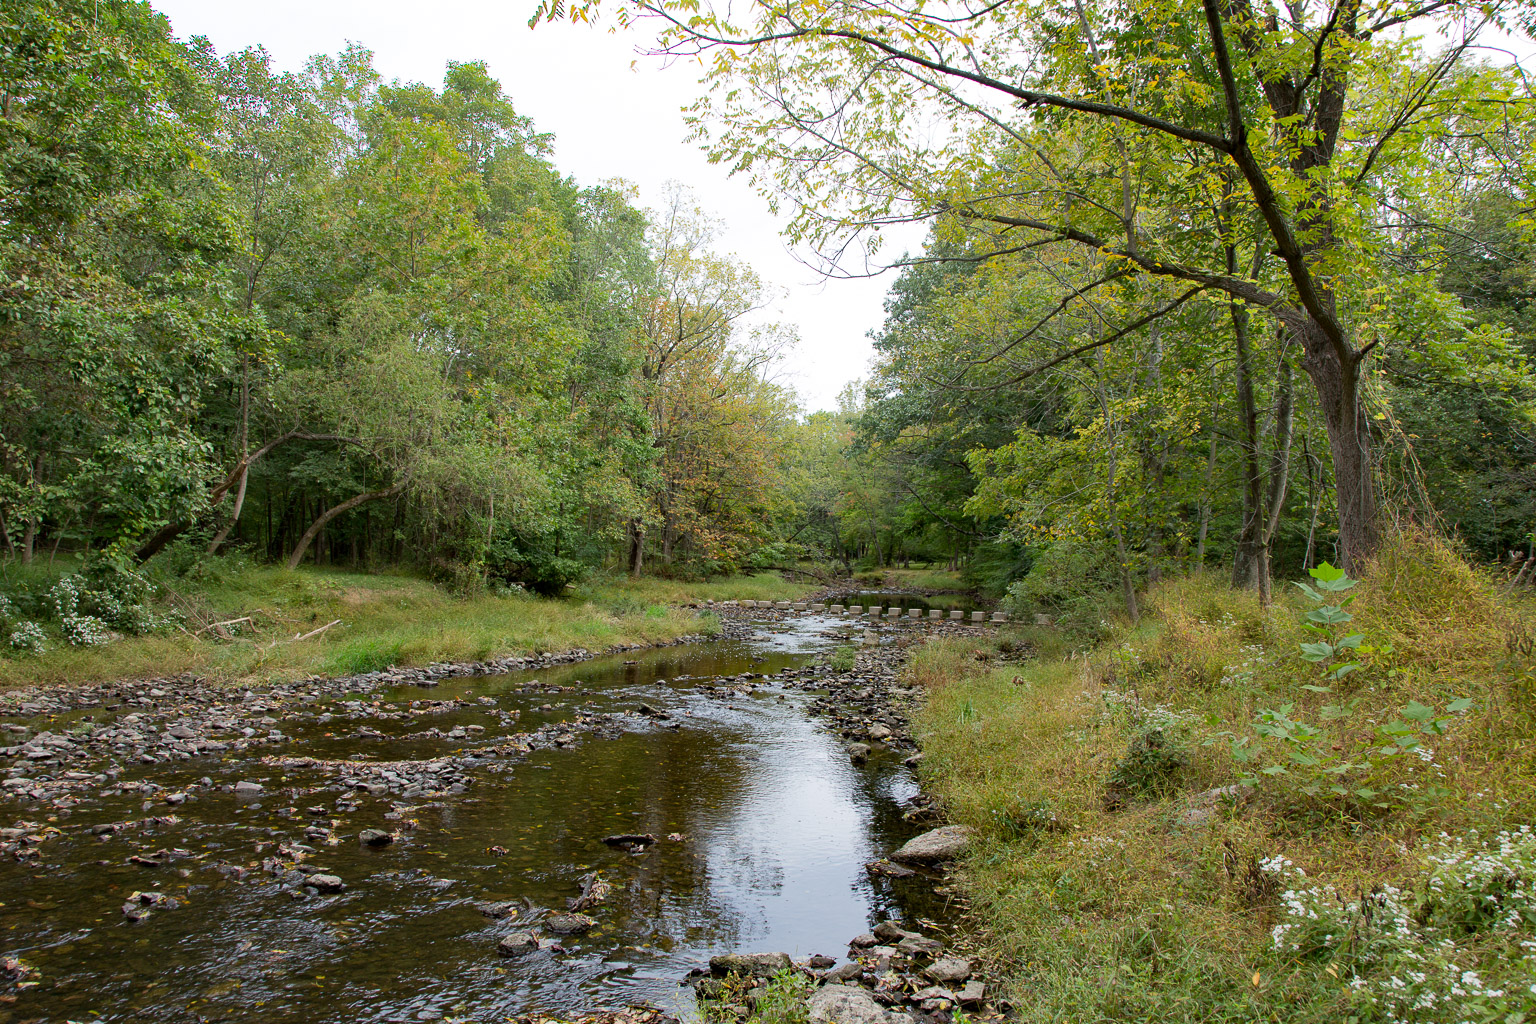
[770, 828]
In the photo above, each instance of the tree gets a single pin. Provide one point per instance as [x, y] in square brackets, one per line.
[1309, 120]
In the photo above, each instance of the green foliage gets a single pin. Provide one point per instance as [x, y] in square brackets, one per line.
[364, 654]
[781, 1001]
[842, 659]
[1151, 765]
[1282, 750]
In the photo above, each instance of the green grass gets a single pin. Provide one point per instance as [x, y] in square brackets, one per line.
[1103, 907]
[925, 579]
[385, 619]
[781, 1001]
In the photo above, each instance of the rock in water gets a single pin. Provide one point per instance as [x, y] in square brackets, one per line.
[944, 843]
[326, 883]
[631, 843]
[889, 870]
[842, 1004]
[757, 965]
[569, 924]
[375, 837]
[517, 944]
[858, 753]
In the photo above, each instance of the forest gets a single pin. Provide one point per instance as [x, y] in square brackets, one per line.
[356, 460]
[314, 317]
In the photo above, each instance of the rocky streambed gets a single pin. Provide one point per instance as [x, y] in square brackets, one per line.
[429, 844]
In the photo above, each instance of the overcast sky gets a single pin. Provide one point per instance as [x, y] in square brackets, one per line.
[610, 120]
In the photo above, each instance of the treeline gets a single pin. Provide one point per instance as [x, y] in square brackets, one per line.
[322, 316]
[1207, 284]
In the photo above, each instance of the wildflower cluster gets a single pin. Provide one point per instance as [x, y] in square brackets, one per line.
[1129, 709]
[27, 638]
[1098, 850]
[1459, 946]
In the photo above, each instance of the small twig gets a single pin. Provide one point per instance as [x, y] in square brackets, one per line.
[314, 632]
[218, 627]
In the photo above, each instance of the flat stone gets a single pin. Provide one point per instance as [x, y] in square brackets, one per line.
[890, 931]
[948, 970]
[849, 971]
[944, 843]
[326, 883]
[972, 993]
[517, 944]
[756, 965]
[569, 924]
[843, 1004]
[889, 870]
[248, 788]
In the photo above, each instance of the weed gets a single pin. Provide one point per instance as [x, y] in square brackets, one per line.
[842, 659]
[1150, 767]
[364, 654]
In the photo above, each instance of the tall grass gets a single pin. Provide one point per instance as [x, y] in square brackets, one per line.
[1102, 902]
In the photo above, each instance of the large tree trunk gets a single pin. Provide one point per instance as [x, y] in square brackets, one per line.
[636, 547]
[1349, 438]
[331, 513]
[1246, 559]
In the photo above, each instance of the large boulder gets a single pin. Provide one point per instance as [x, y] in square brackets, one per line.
[945, 843]
[754, 965]
[844, 1004]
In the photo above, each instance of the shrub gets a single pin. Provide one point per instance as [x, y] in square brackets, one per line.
[1150, 766]
[85, 631]
[27, 638]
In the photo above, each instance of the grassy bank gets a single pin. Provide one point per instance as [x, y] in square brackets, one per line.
[384, 620]
[1347, 884]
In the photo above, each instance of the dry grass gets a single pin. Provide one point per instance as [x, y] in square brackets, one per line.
[1115, 909]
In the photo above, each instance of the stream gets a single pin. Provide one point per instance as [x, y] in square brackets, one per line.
[762, 829]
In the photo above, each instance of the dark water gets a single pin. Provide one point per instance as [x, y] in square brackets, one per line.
[774, 826]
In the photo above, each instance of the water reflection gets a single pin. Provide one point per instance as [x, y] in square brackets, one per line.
[769, 827]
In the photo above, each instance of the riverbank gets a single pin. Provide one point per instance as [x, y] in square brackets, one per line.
[251, 625]
[1380, 866]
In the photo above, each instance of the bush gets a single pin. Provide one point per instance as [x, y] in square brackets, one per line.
[996, 566]
[1150, 767]
[1458, 945]
[1079, 584]
[27, 638]
[546, 575]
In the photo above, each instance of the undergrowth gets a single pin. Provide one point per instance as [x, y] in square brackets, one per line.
[230, 619]
[1381, 870]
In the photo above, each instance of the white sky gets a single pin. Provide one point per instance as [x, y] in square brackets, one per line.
[609, 121]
